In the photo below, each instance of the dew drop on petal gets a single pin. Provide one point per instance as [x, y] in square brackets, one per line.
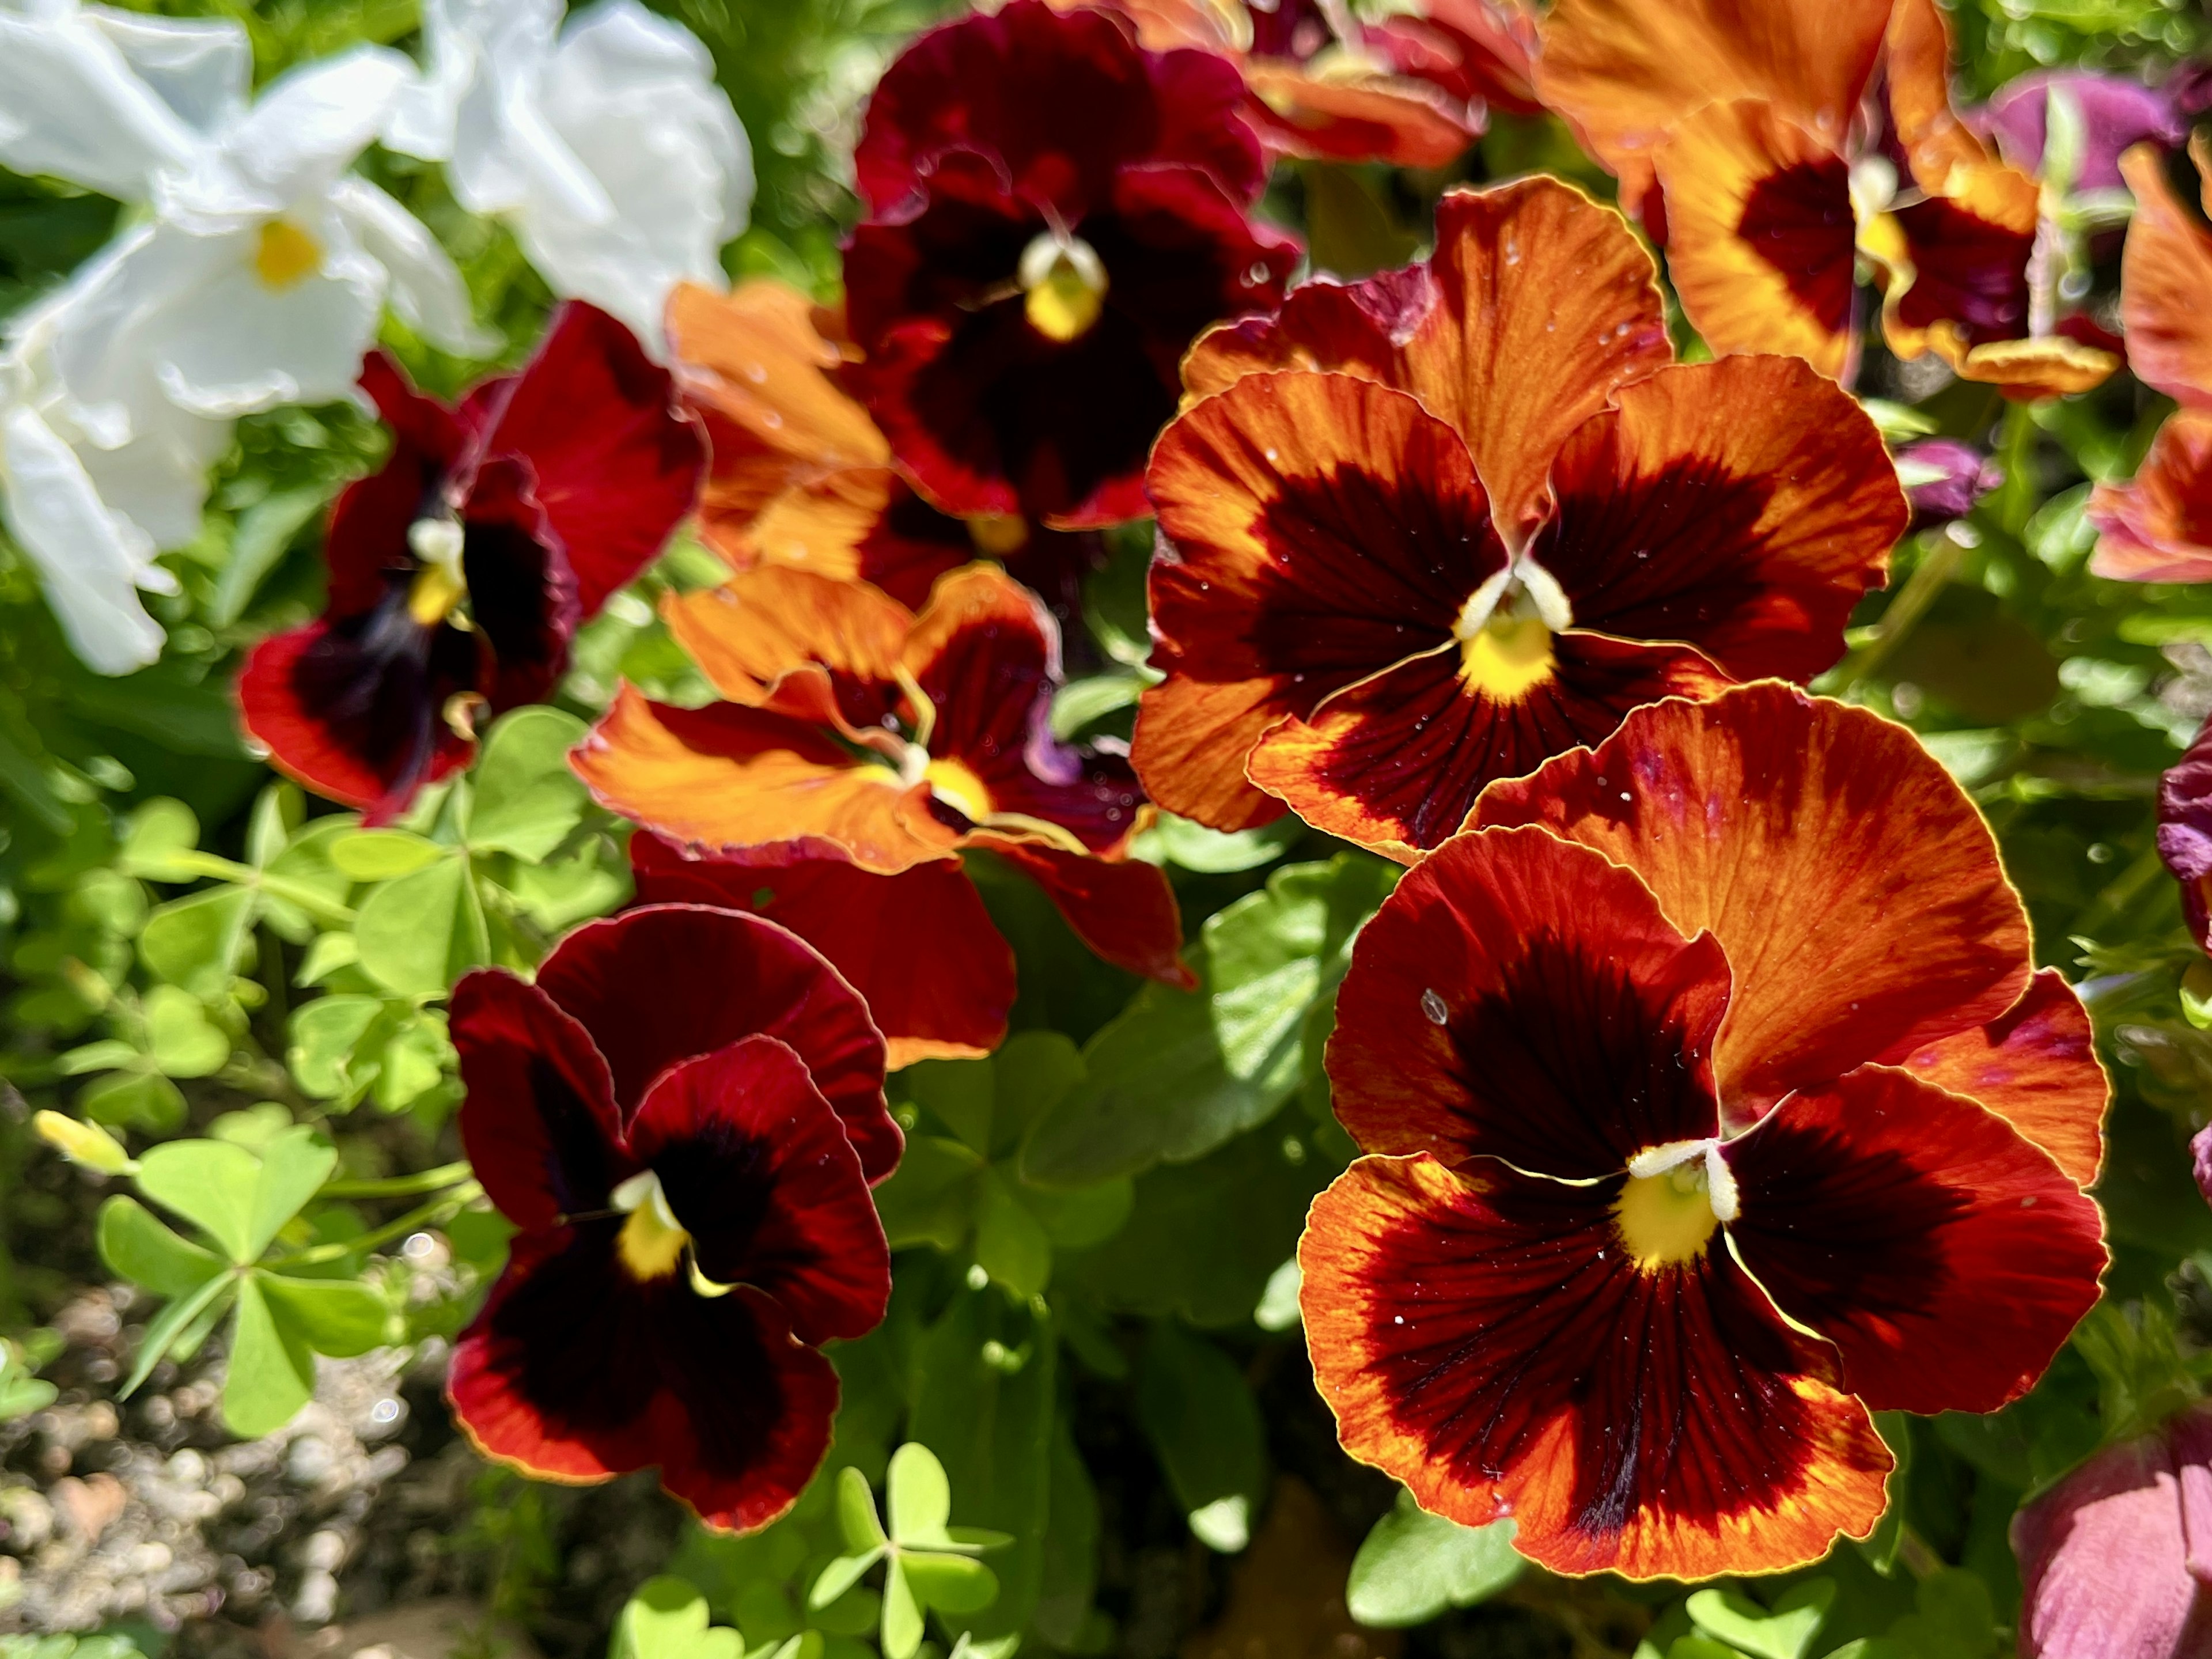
[1432, 1007]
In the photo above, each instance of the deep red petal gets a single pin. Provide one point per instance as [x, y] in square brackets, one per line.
[1517, 997]
[1944, 1254]
[2184, 833]
[618, 461]
[1968, 271]
[919, 946]
[366, 538]
[660, 985]
[1489, 1342]
[539, 1122]
[522, 593]
[1123, 910]
[757, 1170]
[2035, 1066]
[574, 1372]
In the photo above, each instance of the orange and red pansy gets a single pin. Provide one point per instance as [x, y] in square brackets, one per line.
[802, 477]
[858, 730]
[682, 1117]
[1771, 144]
[1708, 1105]
[1054, 213]
[1422, 532]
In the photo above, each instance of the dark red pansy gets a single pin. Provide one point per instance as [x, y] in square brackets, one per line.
[681, 1117]
[1054, 214]
[1600, 1269]
[460, 572]
[2184, 833]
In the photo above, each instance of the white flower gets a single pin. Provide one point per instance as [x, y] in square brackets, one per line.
[606, 146]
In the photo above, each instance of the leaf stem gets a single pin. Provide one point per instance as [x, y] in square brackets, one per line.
[443, 1208]
[424, 1180]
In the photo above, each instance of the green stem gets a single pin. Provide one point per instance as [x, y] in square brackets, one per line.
[428, 1215]
[424, 1180]
[1928, 577]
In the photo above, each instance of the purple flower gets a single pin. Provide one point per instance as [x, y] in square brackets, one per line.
[2116, 112]
[1943, 477]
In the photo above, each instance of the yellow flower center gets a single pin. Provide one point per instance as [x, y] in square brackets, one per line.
[439, 586]
[1000, 534]
[1505, 632]
[1675, 1198]
[1064, 282]
[959, 788]
[284, 256]
[652, 1242]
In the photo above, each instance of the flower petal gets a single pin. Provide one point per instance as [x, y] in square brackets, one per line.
[1123, 910]
[1375, 117]
[819, 650]
[661, 984]
[2036, 1066]
[1760, 233]
[918, 946]
[539, 1122]
[1946, 1257]
[1316, 529]
[1486, 1341]
[724, 779]
[1742, 506]
[2157, 525]
[2185, 834]
[1854, 887]
[2165, 272]
[1519, 997]
[756, 1165]
[574, 1372]
[1395, 761]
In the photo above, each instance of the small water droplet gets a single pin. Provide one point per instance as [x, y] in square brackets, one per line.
[1433, 1009]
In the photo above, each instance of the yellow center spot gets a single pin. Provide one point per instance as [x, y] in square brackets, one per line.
[1000, 534]
[285, 256]
[958, 788]
[1064, 284]
[438, 589]
[652, 1241]
[1507, 657]
[1665, 1219]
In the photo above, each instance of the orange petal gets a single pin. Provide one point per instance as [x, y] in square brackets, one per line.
[1484, 1338]
[1625, 72]
[1854, 886]
[1316, 529]
[1761, 235]
[2165, 274]
[1395, 761]
[2053, 367]
[816, 649]
[1370, 117]
[817, 525]
[2157, 527]
[1742, 506]
[727, 779]
[2036, 1066]
[1917, 74]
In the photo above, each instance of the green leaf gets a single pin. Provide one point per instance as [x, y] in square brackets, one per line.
[294, 1167]
[1786, 1632]
[841, 1575]
[527, 800]
[1271, 953]
[134, 1099]
[1413, 1565]
[414, 1061]
[668, 1618]
[950, 1583]
[183, 1041]
[337, 1316]
[960, 1092]
[1199, 1415]
[414, 939]
[264, 530]
[930, 1198]
[1955, 1619]
[272, 1370]
[210, 1183]
[1211, 852]
[162, 831]
[196, 941]
[902, 1626]
[856, 1512]
[135, 1243]
[166, 1329]
[324, 1033]
[382, 854]
[1070, 1579]
[20, 1392]
[1010, 1243]
[918, 1496]
[1075, 1220]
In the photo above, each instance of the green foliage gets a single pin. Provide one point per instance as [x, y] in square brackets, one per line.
[1415, 1565]
[928, 1567]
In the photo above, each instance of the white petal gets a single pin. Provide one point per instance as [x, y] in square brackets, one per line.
[309, 126]
[427, 290]
[70, 106]
[158, 480]
[201, 67]
[87, 559]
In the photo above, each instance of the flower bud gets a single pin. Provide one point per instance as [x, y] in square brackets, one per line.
[83, 1143]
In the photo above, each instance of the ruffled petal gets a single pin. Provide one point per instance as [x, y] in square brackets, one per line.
[1742, 506]
[539, 1122]
[1946, 1257]
[1487, 1341]
[804, 645]
[2157, 525]
[662, 984]
[1375, 117]
[756, 1168]
[1123, 910]
[919, 946]
[1316, 529]
[2036, 1066]
[2185, 834]
[2165, 272]
[1519, 997]
[1855, 889]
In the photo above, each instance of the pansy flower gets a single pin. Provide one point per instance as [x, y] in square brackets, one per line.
[1054, 214]
[1423, 530]
[858, 730]
[1709, 1103]
[802, 477]
[460, 573]
[1786, 141]
[2157, 527]
[681, 1117]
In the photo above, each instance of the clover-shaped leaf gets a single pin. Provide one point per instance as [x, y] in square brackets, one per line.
[20, 1392]
[930, 1565]
[1783, 1632]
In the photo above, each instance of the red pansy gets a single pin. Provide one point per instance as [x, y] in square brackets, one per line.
[1054, 214]
[682, 1117]
[460, 572]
